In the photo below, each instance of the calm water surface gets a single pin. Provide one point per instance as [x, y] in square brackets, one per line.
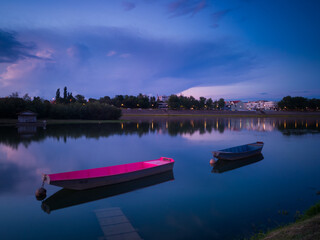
[196, 201]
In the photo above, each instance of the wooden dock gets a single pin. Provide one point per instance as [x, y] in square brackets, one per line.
[115, 225]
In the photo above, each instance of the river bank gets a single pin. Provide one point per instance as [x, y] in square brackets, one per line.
[147, 114]
[307, 227]
[138, 113]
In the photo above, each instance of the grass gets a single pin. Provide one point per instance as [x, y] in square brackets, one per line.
[307, 227]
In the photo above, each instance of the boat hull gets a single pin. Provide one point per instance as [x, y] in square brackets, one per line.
[93, 182]
[222, 166]
[235, 153]
[66, 198]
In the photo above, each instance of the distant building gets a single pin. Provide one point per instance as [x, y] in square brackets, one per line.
[237, 106]
[163, 102]
[162, 105]
[261, 105]
[27, 117]
[163, 98]
[270, 105]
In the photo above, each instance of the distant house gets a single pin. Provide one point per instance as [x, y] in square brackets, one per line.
[261, 105]
[163, 105]
[163, 102]
[27, 117]
[270, 105]
[237, 106]
[163, 98]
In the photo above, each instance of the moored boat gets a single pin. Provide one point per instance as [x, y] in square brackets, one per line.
[239, 152]
[222, 166]
[66, 197]
[97, 177]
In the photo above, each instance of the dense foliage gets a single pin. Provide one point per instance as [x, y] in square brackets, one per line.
[63, 108]
[182, 102]
[299, 103]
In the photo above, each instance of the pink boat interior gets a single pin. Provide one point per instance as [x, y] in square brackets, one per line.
[109, 171]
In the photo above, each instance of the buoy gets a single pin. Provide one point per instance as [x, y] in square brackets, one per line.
[212, 162]
[41, 193]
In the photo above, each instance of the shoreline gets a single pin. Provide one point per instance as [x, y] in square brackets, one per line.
[213, 113]
[306, 227]
[147, 114]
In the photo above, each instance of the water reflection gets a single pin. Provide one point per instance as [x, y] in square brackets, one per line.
[10, 136]
[221, 166]
[67, 198]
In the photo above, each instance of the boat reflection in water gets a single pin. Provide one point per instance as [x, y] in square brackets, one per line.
[221, 166]
[67, 198]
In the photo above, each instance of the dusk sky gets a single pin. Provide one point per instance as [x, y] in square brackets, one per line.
[237, 49]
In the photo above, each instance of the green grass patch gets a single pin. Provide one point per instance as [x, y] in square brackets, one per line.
[306, 225]
[311, 212]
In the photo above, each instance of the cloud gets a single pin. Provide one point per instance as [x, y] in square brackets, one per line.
[111, 53]
[79, 52]
[127, 6]
[217, 16]
[186, 7]
[82, 59]
[11, 50]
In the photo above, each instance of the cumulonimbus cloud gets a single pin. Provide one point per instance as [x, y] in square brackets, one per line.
[106, 61]
[12, 50]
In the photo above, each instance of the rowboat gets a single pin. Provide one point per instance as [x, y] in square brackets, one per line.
[67, 198]
[97, 177]
[221, 165]
[239, 152]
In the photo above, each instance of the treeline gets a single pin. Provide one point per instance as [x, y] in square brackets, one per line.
[126, 101]
[182, 102]
[299, 104]
[61, 109]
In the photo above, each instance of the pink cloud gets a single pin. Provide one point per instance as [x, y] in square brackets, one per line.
[111, 53]
[17, 70]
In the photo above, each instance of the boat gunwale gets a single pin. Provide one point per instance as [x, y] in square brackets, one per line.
[46, 177]
[260, 146]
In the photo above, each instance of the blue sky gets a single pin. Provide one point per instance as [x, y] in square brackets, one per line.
[238, 49]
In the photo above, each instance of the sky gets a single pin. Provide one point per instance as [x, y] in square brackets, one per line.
[234, 49]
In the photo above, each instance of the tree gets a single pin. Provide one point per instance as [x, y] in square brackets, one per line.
[173, 102]
[105, 99]
[153, 102]
[80, 98]
[70, 98]
[14, 95]
[202, 102]
[92, 100]
[58, 96]
[65, 95]
[221, 103]
[117, 100]
[26, 97]
[209, 103]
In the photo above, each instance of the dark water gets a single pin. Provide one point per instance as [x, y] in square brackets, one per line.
[196, 201]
